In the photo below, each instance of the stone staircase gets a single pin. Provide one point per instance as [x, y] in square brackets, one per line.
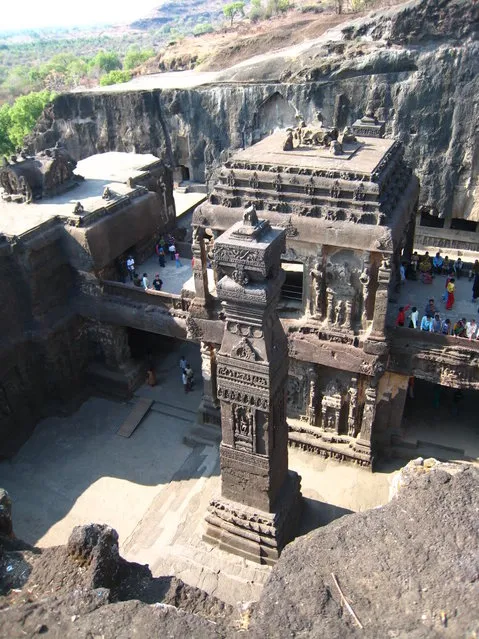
[199, 435]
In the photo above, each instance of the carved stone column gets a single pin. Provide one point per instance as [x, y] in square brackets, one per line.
[312, 408]
[365, 279]
[209, 412]
[202, 299]
[259, 507]
[381, 302]
[330, 311]
[363, 443]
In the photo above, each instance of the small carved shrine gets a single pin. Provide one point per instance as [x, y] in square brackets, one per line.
[25, 178]
[260, 500]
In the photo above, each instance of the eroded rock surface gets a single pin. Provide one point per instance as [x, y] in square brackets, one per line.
[408, 569]
[86, 589]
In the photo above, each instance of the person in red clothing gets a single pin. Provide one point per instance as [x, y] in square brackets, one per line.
[401, 318]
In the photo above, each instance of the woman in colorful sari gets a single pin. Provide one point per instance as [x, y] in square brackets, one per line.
[450, 294]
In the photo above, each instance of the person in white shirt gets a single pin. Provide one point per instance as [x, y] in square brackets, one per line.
[130, 265]
[471, 329]
[144, 281]
[172, 251]
[414, 318]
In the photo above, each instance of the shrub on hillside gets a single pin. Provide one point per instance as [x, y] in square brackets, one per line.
[115, 77]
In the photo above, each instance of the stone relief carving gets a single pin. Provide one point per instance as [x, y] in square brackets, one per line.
[253, 181]
[317, 278]
[244, 434]
[245, 350]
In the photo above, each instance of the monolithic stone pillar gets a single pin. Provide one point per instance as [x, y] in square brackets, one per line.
[202, 298]
[258, 510]
[381, 302]
[208, 412]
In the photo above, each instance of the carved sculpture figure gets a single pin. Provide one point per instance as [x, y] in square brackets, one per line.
[335, 147]
[78, 209]
[365, 280]
[317, 276]
[339, 313]
[288, 143]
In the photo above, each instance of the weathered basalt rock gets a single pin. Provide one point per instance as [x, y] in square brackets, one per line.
[409, 569]
[6, 527]
[96, 546]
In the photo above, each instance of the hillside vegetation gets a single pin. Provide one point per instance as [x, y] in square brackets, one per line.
[177, 36]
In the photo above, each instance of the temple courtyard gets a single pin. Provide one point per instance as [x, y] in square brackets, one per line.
[154, 487]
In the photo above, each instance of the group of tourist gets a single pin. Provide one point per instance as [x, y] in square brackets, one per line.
[438, 265]
[432, 322]
[162, 247]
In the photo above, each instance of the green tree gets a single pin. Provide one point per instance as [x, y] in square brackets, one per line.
[6, 146]
[115, 77]
[106, 61]
[233, 9]
[202, 27]
[256, 12]
[76, 71]
[18, 120]
[135, 56]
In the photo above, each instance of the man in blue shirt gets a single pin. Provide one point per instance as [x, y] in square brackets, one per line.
[426, 323]
[437, 263]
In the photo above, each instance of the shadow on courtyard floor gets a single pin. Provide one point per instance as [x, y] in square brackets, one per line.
[77, 469]
[318, 513]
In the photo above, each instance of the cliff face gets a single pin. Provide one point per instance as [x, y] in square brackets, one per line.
[416, 66]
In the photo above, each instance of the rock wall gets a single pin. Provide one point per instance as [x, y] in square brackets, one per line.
[415, 66]
[41, 358]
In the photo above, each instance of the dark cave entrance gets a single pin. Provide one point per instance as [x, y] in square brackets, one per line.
[441, 422]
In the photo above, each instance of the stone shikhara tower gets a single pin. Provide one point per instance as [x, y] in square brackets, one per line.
[259, 506]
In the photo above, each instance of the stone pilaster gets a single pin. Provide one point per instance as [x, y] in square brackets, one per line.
[258, 509]
[202, 300]
[381, 301]
[209, 410]
[353, 407]
[363, 442]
